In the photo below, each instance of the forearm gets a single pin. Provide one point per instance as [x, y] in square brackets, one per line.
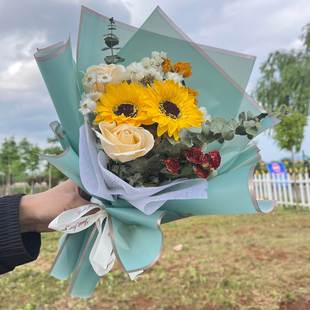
[16, 248]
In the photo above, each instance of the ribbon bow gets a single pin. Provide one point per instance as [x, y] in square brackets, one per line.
[102, 256]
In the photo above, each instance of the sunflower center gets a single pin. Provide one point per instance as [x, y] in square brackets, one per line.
[127, 108]
[170, 109]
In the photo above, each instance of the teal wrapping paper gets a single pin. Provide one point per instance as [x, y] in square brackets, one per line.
[220, 77]
[58, 70]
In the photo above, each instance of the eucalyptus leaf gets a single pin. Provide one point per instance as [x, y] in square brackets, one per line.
[217, 125]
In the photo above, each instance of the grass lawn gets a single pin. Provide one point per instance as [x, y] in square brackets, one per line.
[240, 262]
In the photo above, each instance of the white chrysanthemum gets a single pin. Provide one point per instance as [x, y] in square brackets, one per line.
[135, 71]
[88, 102]
[161, 54]
[146, 62]
[156, 74]
[158, 58]
[104, 78]
[89, 80]
[177, 78]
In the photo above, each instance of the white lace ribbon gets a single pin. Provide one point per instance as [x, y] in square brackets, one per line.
[72, 221]
[102, 257]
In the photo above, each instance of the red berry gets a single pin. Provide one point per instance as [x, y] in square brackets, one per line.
[172, 165]
[194, 155]
[201, 172]
[214, 158]
[205, 162]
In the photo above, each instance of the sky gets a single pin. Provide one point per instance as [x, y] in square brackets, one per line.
[255, 27]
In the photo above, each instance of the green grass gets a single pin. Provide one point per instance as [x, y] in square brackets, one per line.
[241, 262]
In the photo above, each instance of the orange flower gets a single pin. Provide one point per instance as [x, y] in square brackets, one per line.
[166, 65]
[183, 68]
[193, 92]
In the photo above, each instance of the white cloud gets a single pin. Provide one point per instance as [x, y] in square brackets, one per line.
[18, 70]
[20, 76]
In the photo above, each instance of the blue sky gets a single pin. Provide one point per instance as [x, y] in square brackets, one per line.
[254, 27]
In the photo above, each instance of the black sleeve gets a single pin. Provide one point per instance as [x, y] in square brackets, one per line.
[16, 248]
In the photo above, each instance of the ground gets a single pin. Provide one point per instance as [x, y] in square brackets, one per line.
[240, 262]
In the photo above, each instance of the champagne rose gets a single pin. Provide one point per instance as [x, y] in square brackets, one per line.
[124, 142]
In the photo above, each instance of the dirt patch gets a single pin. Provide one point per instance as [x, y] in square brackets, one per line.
[264, 254]
[142, 302]
[300, 304]
[244, 230]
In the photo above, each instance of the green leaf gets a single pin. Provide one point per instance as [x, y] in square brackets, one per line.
[217, 125]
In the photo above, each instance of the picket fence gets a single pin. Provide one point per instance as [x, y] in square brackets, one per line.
[286, 189]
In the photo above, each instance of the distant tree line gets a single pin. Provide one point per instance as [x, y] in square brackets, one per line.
[20, 162]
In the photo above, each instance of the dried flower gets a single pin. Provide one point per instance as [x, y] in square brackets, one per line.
[194, 155]
[214, 159]
[183, 68]
[172, 165]
[201, 172]
[193, 92]
[166, 65]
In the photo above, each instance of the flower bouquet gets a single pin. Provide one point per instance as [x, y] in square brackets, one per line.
[154, 131]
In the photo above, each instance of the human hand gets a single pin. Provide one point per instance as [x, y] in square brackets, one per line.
[38, 210]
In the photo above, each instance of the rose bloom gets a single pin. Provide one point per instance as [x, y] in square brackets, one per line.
[201, 172]
[124, 142]
[214, 158]
[194, 155]
[96, 77]
[172, 165]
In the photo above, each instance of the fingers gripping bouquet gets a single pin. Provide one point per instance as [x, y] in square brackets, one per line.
[154, 133]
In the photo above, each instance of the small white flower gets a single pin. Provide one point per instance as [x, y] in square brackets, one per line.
[89, 79]
[177, 78]
[97, 76]
[157, 75]
[88, 103]
[94, 96]
[135, 71]
[146, 62]
[158, 58]
[161, 54]
[207, 117]
[104, 78]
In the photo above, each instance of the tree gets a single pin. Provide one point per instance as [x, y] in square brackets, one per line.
[10, 161]
[29, 156]
[53, 175]
[290, 132]
[285, 82]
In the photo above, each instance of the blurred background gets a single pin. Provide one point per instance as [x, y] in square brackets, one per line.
[241, 262]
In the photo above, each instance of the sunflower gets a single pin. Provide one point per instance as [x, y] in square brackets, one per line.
[122, 103]
[172, 108]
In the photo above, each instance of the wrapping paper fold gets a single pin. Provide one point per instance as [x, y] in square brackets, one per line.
[58, 70]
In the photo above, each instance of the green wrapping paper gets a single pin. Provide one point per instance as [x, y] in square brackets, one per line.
[220, 78]
[59, 73]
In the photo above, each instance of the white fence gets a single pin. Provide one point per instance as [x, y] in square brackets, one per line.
[286, 189]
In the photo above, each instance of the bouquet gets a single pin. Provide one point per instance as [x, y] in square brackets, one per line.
[153, 131]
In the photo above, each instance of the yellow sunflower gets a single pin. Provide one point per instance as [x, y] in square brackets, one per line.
[172, 107]
[122, 103]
